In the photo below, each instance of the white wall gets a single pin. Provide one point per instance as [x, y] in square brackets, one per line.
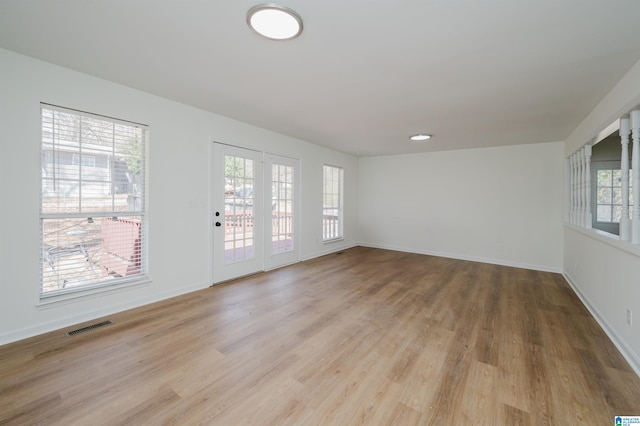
[606, 275]
[607, 279]
[180, 148]
[497, 205]
[624, 96]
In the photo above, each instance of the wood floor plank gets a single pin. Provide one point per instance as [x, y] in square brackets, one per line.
[420, 387]
[403, 415]
[366, 337]
[478, 405]
[514, 417]
[376, 404]
[514, 382]
[572, 392]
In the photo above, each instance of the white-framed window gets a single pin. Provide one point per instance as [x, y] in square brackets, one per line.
[92, 210]
[606, 203]
[332, 202]
[609, 195]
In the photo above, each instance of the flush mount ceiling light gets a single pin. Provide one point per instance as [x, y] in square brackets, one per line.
[274, 22]
[420, 137]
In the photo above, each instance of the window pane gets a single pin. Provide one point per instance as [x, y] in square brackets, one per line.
[604, 177]
[78, 251]
[604, 195]
[617, 196]
[617, 213]
[60, 196]
[616, 176]
[96, 197]
[604, 213]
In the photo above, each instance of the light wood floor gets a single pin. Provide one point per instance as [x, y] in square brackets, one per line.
[366, 337]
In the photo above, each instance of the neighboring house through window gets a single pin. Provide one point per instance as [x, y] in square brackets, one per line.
[92, 214]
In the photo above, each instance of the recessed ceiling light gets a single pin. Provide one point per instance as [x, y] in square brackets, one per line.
[420, 137]
[274, 21]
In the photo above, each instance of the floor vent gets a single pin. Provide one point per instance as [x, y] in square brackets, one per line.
[88, 328]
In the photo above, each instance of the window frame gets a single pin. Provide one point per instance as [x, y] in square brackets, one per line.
[136, 210]
[611, 227]
[338, 228]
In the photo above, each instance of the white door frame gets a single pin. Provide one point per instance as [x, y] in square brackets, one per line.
[220, 269]
[263, 223]
[272, 261]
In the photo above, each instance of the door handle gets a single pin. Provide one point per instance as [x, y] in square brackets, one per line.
[218, 224]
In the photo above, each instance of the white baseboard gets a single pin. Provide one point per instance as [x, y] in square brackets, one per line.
[35, 330]
[332, 249]
[501, 262]
[628, 354]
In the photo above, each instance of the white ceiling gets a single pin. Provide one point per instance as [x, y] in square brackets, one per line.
[364, 74]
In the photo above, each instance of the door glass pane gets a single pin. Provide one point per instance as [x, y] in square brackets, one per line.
[282, 208]
[238, 209]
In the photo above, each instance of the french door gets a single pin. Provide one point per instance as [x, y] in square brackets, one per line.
[237, 209]
[281, 233]
[255, 211]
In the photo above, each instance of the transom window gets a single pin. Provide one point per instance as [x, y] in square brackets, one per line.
[92, 212]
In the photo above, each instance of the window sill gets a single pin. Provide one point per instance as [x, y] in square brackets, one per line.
[607, 238]
[333, 240]
[48, 301]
